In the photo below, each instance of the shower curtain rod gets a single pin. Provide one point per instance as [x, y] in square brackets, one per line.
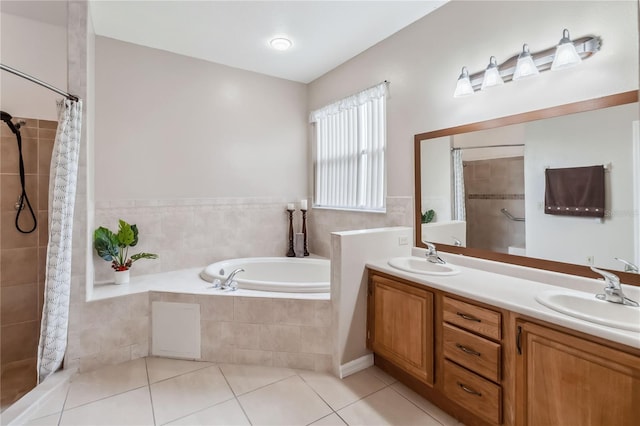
[485, 146]
[40, 82]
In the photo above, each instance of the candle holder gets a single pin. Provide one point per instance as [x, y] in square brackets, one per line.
[290, 253]
[304, 231]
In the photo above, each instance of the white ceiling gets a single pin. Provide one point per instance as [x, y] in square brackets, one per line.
[236, 33]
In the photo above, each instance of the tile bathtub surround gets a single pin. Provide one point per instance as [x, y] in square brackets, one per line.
[262, 331]
[200, 393]
[197, 232]
[22, 256]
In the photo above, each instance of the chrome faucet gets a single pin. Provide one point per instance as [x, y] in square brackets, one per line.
[229, 283]
[432, 253]
[628, 266]
[613, 291]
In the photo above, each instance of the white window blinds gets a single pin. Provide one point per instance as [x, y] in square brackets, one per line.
[350, 151]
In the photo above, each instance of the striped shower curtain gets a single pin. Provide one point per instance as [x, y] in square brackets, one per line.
[62, 193]
[458, 186]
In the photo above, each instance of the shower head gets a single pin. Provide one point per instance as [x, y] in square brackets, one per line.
[6, 117]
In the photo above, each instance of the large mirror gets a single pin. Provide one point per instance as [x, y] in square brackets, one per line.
[480, 188]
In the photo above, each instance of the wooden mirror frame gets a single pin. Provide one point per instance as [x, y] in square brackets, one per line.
[557, 111]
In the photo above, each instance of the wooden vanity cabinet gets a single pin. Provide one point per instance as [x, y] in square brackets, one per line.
[563, 379]
[401, 326]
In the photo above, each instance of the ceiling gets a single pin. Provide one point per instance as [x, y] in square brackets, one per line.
[325, 34]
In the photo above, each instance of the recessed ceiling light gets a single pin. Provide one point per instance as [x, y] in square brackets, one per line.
[280, 43]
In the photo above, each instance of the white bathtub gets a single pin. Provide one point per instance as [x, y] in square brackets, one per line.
[285, 274]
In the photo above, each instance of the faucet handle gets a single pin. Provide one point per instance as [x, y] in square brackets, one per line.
[611, 279]
[628, 266]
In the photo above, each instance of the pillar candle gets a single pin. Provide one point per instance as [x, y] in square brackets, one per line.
[303, 205]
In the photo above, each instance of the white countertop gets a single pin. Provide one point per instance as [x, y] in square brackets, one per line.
[517, 294]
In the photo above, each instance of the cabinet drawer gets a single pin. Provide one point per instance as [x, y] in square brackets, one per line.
[471, 391]
[473, 318]
[477, 354]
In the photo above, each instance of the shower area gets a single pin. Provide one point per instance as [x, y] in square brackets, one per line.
[23, 245]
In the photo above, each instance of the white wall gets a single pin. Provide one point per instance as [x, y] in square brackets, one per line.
[169, 126]
[437, 177]
[37, 49]
[575, 141]
[423, 61]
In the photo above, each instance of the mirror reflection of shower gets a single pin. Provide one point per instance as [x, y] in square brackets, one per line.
[22, 198]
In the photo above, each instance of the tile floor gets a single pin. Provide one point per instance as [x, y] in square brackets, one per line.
[159, 391]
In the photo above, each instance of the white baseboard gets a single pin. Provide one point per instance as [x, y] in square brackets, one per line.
[356, 365]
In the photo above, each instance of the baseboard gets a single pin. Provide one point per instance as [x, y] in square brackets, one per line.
[356, 365]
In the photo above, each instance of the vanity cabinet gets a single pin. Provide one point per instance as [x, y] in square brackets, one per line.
[564, 379]
[400, 326]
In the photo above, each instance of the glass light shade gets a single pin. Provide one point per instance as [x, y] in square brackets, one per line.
[463, 86]
[566, 55]
[280, 43]
[491, 75]
[525, 67]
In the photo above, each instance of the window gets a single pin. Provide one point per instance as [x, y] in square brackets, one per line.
[350, 139]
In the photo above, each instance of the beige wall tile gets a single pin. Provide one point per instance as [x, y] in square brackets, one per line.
[214, 333]
[217, 353]
[323, 313]
[253, 310]
[216, 308]
[294, 312]
[281, 338]
[245, 336]
[248, 356]
[19, 341]
[294, 360]
[316, 340]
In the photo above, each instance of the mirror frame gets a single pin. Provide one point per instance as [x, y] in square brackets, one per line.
[557, 111]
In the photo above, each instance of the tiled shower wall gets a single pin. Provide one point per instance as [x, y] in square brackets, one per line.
[491, 185]
[22, 256]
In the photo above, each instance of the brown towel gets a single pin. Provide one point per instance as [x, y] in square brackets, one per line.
[575, 191]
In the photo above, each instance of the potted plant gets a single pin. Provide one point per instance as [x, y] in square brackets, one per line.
[114, 248]
[428, 216]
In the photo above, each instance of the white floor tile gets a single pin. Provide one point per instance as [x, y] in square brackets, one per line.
[247, 378]
[331, 420]
[288, 402]
[52, 404]
[105, 382]
[165, 368]
[382, 375]
[129, 408]
[51, 420]
[340, 393]
[224, 414]
[385, 407]
[425, 405]
[188, 393]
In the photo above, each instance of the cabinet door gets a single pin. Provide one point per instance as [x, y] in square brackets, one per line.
[402, 326]
[565, 380]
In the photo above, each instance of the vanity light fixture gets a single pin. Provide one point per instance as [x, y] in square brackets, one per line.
[280, 43]
[525, 67]
[491, 75]
[463, 87]
[566, 55]
[527, 64]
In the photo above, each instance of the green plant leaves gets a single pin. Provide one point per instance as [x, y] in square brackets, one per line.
[144, 256]
[428, 216]
[105, 243]
[126, 235]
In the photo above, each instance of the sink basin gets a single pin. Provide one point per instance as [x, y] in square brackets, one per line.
[419, 265]
[586, 307]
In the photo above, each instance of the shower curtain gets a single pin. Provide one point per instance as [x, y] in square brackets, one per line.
[62, 194]
[458, 186]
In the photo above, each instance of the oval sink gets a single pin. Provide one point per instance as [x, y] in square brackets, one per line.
[419, 265]
[585, 306]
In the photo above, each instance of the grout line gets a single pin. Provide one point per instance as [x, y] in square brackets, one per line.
[213, 364]
[153, 410]
[417, 406]
[63, 404]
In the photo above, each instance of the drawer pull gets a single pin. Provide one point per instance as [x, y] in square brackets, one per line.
[469, 390]
[467, 350]
[468, 317]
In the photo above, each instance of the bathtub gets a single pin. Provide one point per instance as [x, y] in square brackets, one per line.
[282, 274]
